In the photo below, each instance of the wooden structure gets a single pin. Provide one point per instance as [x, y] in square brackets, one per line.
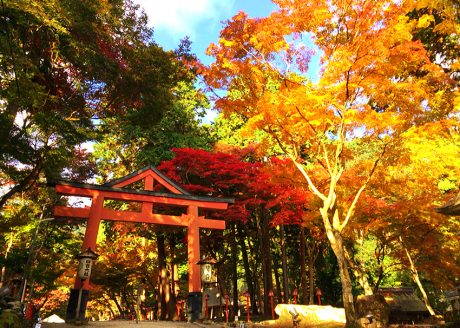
[153, 190]
[404, 304]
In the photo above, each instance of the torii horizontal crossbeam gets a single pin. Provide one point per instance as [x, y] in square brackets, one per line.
[140, 217]
[86, 190]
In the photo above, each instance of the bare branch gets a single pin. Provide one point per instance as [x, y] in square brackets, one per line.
[311, 186]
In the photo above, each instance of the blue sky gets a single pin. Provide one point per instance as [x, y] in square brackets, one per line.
[201, 20]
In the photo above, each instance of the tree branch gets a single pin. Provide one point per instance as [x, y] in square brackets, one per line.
[311, 186]
[26, 183]
[358, 194]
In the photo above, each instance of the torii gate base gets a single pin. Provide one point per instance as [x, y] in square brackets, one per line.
[71, 313]
[153, 194]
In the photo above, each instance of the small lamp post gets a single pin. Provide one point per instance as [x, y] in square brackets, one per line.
[208, 278]
[318, 294]
[295, 292]
[84, 272]
[271, 294]
[248, 306]
[206, 297]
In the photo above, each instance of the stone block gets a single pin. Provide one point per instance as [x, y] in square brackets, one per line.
[373, 309]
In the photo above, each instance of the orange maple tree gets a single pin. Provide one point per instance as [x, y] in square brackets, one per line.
[374, 82]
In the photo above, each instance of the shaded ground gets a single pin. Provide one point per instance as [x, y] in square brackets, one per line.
[133, 324]
[171, 324]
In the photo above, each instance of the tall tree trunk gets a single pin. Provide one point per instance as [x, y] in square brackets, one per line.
[311, 280]
[171, 303]
[164, 288]
[247, 270]
[265, 247]
[359, 273]
[284, 263]
[255, 274]
[108, 305]
[416, 278]
[140, 291]
[127, 302]
[114, 298]
[7, 251]
[336, 242]
[279, 289]
[303, 270]
[313, 249]
[234, 269]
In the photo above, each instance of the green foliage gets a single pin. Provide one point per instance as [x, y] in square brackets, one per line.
[328, 278]
[65, 64]
[135, 145]
[231, 131]
[375, 256]
[11, 319]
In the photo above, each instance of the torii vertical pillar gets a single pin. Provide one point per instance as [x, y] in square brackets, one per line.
[92, 228]
[194, 298]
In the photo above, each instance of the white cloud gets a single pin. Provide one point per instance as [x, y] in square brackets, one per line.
[185, 17]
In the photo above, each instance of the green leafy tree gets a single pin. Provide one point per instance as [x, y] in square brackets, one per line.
[64, 65]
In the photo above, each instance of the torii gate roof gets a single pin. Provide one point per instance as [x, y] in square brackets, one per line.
[116, 190]
[80, 188]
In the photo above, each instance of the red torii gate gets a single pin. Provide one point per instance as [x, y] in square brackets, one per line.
[114, 190]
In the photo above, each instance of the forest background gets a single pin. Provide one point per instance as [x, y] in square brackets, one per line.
[339, 177]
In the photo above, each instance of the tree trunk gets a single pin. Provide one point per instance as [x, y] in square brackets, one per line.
[336, 242]
[166, 304]
[359, 273]
[279, 290]
[255, 274]
[416, 278]
[171, 303]
[265, 247]
[140, 291]
[8, 248]
[23, 185]
[303, 270]
[108, 305]
[247, 271]
[311, 279]
[284, 264]
[234, 270]
[113, 297]
[313, 249]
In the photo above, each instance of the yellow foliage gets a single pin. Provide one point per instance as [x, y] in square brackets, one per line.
[225, 42]
[425, 21]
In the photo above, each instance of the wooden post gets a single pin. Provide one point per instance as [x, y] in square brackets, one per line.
[193, 249]
[92, 228]
[206, 297]
[247, 307]
[271, 294]
[295, 292]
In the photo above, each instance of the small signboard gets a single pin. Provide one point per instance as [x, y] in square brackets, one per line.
[206, 273]
[214, 298]
[84, 268]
